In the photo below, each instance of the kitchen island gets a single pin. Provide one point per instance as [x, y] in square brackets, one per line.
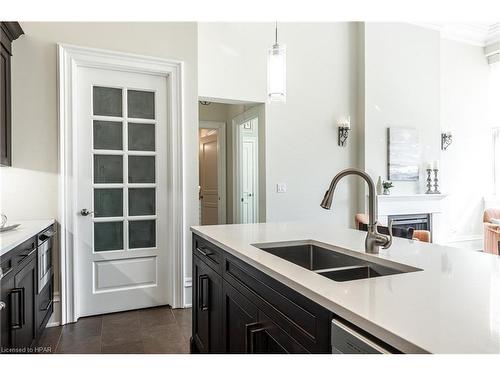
[442, 299]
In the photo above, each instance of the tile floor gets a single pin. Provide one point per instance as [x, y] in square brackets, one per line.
[159, 330]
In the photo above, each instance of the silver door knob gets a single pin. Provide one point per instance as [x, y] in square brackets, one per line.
[2, 305]
[86, 212]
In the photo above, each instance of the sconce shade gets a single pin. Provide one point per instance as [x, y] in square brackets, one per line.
[276, 73]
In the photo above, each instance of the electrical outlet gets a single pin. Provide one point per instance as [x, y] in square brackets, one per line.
[281, 187]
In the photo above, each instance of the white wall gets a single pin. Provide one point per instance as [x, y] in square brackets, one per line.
[301, 137]
[29, 188]
[467, 165]
[402, 89]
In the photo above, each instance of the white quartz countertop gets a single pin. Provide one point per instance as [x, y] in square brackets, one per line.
[451, 306]
[27, 229]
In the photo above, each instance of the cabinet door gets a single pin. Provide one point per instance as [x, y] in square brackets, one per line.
[238, 313]
[23, 305]
[266, 337]
[207, 293]
[7, 284]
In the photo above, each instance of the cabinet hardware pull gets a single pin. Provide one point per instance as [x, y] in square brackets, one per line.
[4, 274]
[251, 330]
[203, 251]
[204, 292]
[17, 312]
[24, 256]
[47, 306]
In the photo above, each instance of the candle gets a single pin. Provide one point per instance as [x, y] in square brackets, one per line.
[348, 123]
[436, 164]
[429, 165]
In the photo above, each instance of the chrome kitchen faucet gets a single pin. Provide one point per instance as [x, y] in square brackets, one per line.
[374, 239]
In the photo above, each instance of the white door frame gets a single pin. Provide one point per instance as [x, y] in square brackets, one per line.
[221, 164]
[68, 60]
[236, 122]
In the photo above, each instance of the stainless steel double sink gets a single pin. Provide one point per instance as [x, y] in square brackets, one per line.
[334, 263]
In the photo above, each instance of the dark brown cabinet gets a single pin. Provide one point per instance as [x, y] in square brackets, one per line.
[9, 31]
[207, 291]
[26, 297]
[7, 284]
[238, 315]
[239, 309]
[23, 305]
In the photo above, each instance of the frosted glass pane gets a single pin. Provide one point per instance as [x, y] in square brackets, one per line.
[141, 169]
[107, 101]
[141, 137]
[108, 135]
[141, 201]
[108, 236]
[108, 169]
[108, 202]
[141, 104]
[142, 233]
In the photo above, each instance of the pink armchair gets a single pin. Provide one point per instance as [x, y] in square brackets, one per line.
[491, 231]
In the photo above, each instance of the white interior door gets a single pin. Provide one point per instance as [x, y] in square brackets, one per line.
[121, 138]
[209, 186]
[248, 180]
[246, 167]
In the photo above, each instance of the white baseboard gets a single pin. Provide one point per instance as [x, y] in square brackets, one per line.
[188, 284]
[55, 319]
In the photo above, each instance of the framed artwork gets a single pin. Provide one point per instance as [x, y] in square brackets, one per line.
[403, 154]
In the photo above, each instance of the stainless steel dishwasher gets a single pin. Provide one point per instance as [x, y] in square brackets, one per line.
[346, 340]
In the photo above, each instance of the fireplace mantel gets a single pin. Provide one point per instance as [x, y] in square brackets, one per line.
[410, 204]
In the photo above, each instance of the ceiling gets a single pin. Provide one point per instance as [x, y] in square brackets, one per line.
[476, 33]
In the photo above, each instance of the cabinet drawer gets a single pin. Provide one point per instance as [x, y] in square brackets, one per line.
[16, 256]
[303, 320]
[208, 253]
[24, 251]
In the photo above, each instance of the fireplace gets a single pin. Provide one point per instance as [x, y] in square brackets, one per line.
[419, 211]
[415, 221]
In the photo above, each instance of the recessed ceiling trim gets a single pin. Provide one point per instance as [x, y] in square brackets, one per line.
[475, 33]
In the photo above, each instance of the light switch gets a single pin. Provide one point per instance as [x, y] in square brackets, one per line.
[281, 187]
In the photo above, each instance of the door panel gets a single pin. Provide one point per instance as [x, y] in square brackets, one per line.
[237, 314]
[248, 181]
[23, 298]
[121, 159]
[209, 194]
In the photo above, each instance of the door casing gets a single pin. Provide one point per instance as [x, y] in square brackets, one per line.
[69, 58]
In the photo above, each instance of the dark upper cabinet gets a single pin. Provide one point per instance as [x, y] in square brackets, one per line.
[9, 31]
[207, 292]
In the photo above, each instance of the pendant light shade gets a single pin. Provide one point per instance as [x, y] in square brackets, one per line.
[276, 72]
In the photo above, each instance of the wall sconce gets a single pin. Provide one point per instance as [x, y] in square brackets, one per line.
[446, 140]
[343, 128]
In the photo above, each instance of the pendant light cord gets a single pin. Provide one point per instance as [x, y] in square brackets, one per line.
[276, 31]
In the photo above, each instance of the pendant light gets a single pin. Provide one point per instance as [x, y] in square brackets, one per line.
[276, 71]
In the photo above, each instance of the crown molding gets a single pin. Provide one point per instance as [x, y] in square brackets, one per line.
[478, 34]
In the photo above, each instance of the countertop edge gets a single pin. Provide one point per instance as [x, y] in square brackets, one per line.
[379, 332]
[43, 223]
